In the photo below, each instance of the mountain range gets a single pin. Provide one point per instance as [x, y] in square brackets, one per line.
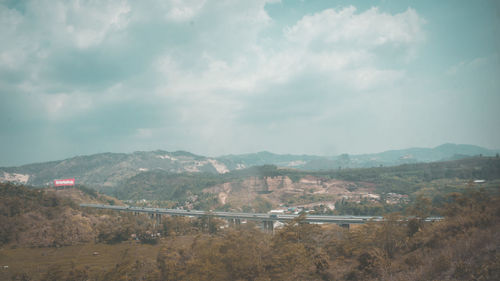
[110, 169]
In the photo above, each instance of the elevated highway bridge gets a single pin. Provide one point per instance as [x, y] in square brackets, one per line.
[236, 217]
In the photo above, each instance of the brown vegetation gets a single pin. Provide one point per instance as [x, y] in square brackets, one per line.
[52, 218]
[464, 246]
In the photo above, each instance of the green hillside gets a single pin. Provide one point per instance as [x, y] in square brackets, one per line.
[432, 179]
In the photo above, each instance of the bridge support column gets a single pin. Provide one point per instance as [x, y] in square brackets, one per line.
[237, 221]
[268, 226]
[344, 225]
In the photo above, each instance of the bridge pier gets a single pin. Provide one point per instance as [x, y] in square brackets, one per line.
[268, 226]
[344, 225]
[156, 218]
[234, 222]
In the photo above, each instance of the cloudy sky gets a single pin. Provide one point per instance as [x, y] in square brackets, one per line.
[221, 77]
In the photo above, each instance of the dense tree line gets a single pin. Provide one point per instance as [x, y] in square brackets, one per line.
[366, 208]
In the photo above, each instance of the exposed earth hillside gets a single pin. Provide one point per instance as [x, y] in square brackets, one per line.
[262, 188]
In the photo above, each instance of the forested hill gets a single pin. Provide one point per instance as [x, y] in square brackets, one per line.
[111, 169]
[277, 186]
[48, 217]
[107, 169]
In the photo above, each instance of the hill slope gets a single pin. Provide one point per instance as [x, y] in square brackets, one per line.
[264, 187]
[110, 169]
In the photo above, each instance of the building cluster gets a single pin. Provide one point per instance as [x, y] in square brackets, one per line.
[396, 198]
[359, 197]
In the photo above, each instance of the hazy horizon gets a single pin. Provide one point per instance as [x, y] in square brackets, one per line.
[221, 155]
[216, 78]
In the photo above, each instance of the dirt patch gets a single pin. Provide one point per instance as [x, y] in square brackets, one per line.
[36, 261]
[278, 190]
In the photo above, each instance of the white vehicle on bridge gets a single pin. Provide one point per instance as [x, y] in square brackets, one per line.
[276, 213]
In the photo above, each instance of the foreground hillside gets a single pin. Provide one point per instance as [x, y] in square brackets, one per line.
[51, 218]
[464, 246]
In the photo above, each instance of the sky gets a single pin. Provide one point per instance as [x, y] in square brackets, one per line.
[230, 77]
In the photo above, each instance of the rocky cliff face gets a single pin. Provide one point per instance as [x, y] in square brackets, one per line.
[14, 177]
[282, 190]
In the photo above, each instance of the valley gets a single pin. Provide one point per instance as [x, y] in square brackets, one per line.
[240, 140]
[46, 235]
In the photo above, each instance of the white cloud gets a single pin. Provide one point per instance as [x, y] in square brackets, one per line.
[347, 58]
[182, 10]
[254, 92]
[207, 64]
[88, 23]
[64, 106]
[83, 23]
[368, 29]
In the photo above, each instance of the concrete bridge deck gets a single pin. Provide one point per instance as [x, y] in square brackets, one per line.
[341, 220]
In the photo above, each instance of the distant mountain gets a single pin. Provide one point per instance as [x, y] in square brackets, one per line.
[110, 169]
[388, 158]
[438, 153]
[443, 152]
[234, 162]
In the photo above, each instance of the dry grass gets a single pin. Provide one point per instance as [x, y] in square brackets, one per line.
[36, 261]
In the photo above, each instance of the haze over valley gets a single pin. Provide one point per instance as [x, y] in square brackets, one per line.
[249, 140]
